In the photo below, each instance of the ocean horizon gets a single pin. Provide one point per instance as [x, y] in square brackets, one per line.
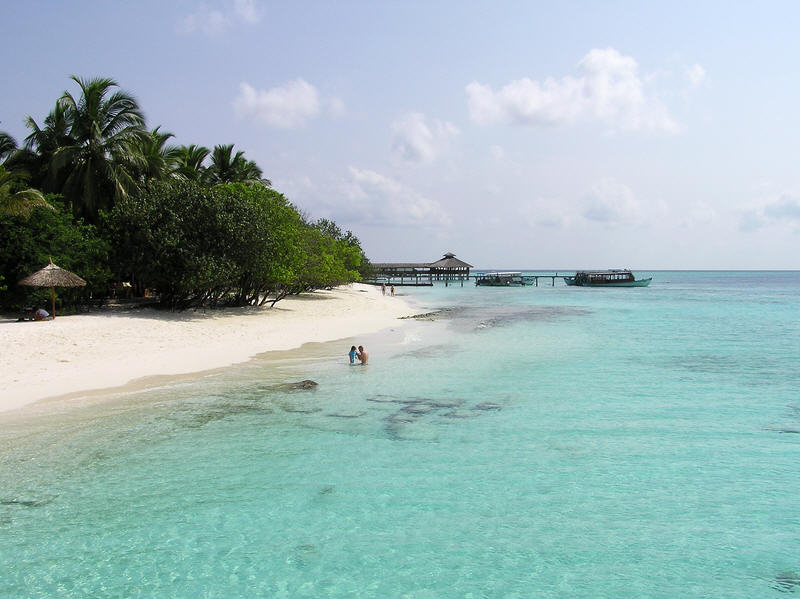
[546, 441]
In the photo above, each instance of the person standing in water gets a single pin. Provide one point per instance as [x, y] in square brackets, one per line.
[363, 356]
[353, 354]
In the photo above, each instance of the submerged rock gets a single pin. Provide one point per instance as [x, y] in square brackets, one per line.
[787, 582]
[400, 418]
[340, 415]
[445, 403]
[382, 399]
[487, 405]
[458, 414]
[425, 316]
[419, 408]
[306, 385]
[300, 410]
[24, 502]
[418, 401]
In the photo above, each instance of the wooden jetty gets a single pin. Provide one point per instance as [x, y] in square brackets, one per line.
[525, 277]
[536, 278]
[448, 269]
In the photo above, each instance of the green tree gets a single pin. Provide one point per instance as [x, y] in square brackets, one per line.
[200, 245]
[95, 165]
[351, 251]
[266, 233]
[8, 145]
[41, 145]
[26, 245]
[227, 167]
[328, 261]
[154, 159]
[189, 162]
[166, 237]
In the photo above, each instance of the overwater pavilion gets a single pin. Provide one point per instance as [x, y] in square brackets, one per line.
[448, 269]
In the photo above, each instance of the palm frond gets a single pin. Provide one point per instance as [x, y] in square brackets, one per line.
[15, 201]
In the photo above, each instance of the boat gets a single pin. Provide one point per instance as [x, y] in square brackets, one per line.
[503, 279]
[606, 278]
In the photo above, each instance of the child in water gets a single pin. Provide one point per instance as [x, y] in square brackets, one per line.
[353, 353]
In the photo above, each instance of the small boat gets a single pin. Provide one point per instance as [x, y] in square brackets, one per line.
[606, 278]
[503, 279]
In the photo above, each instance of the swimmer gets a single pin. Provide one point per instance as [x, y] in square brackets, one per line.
[363, 356]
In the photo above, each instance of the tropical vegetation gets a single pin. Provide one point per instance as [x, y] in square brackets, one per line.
[101, 194]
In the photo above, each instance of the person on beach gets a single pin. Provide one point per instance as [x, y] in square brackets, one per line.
[41, 314]
[392, 290]
[363, 356]
[383, 288]
[353, 354]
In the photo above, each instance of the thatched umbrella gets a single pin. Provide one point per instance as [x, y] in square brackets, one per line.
[53, 276]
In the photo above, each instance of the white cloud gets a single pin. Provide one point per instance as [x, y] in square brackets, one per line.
[696, 74]
[785, 210]
[543, 212]
[612, 202]
[380, 200]
[607, 89]
[247, 10]
[286, 106]
[205, 21]
[497, 152]
[214, 22]
[417, 142]
[699, 214]
[750, 221]
[294, 188]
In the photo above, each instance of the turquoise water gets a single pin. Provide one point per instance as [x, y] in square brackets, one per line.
[530, 442]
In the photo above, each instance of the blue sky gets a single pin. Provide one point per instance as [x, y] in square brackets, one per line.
[515, 134]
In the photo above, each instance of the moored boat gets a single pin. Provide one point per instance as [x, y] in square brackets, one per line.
[503, 279]
[606, 278]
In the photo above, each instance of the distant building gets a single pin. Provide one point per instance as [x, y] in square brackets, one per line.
[448, 268]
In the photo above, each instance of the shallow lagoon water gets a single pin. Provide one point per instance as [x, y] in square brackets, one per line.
[533, 442]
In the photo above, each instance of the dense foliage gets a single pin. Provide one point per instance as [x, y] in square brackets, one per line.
[203, 245]
[28, 244]
[103, 196]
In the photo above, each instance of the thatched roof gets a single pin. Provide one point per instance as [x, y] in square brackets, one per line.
[450, 261]
[53, 276]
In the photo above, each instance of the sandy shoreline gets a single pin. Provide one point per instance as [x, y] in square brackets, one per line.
[103, 350]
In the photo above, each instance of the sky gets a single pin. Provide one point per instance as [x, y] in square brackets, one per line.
[647, 135]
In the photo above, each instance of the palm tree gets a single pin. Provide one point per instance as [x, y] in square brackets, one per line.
[7, 145]
[227, 167]
[155, 159]
[41, 146]
[15, 201]
[106, 128]
[189, 162]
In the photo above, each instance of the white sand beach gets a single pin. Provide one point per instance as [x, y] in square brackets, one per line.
[108, 349]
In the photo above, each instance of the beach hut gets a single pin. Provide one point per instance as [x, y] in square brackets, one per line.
[53, 276]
